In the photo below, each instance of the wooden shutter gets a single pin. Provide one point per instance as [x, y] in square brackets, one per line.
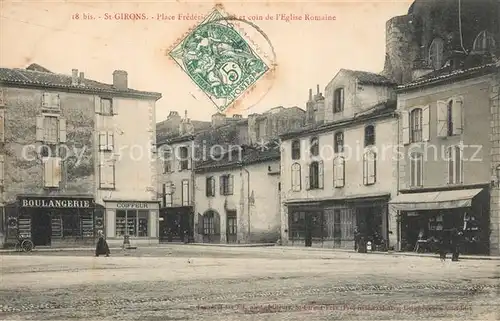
[2, 97]
[189, 158]
[221, 185]
[442, 118]
[208, 186]
[230, 184]
[2, 169]
[450, 166]
[212, 184]
[365, 169]
[103, 141]
[405, 125]
[39, 129]
[372, 168]
[45, 100]
[457, 116]
[295, 177]
[307, 178]
[200, 224]
[48, 172]
[339, 172]
[55, 101]
[426, 117]
[110, 140]
[97, 104]
[62, 130]
[2, 125]
[216, 224]
[320, 174]
[56, 171]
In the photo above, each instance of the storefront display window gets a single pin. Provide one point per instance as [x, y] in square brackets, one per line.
[132, 223]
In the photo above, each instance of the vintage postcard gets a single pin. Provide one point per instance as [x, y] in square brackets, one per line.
[235, 160]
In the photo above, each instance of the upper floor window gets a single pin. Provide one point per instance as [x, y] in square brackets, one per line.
[185, 193]
[338, 100]
[107, 176]
[106, 141]
[106, 107]
[184, 160]
[369, 135]
[210, 186]
[315, 177]
[455, 165]
[339, 172]
[296, 149]
[167, 194]
[416, 169]
[369, 167]
[296, 178]
[338, 144]
[484, 42]
[226, 184]
[52, 174]
[436, 52]
[51, 101]
[314, 146]
[167, 161]
[449, 117]
[416, 125]
[50, 129]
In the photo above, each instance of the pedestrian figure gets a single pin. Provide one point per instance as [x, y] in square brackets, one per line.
[444, 245]
[455, 244]
[102, 247]
[356, 238]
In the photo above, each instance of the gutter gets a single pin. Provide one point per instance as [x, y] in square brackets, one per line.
[248, 200]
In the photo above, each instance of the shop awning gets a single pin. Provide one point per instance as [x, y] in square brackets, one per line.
[434, 200]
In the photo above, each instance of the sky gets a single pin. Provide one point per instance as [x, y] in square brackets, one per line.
[60, 36]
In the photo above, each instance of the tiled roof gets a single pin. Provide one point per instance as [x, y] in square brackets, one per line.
[169, 128]
[249, 155]
[369, 78]
[36, 77]
[448, 73]
[380, 109]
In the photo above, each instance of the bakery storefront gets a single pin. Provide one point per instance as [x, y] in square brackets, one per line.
[136, 219]
[53, 221]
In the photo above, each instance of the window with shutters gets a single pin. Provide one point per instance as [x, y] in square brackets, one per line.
[296, 149]
[369, 135]
[338, 144]
[208, 223]
[436, 52]
[316, 175]
[296, 178]
[106, 141]
[416, 125]
[369, 168]
[184, 158]
[484, 42]
[185, 193]
[416, 170]
[455, 165]
[449, 117]
[226, 184]
[210, 186]
[314, 146]
[52, 172]
[167, 161]
[107, 176]
[51, 102]
[106, 107]
[168, 192]
[51, 128]
[339, 172]
[2, 170]
[338, 100]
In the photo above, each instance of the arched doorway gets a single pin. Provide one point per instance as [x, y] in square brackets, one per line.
[209, 226]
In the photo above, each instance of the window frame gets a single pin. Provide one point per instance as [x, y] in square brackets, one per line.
[107, 146]
[416, 175]
[416, 127]
[366, 167]
[137, 219]
[185, 199]
[296, 150]
[314, 146]
[210, 186]
[338, 147]
[226, 184]
[183, 158]
[455, 165]
[101, 108]
[110, 186]
[370, 138]
[338, 100]
[296, 168]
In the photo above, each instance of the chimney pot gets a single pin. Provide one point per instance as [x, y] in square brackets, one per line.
[310, 94]
[317, 89]
[74, 77]
[82, 78]
[120, 79]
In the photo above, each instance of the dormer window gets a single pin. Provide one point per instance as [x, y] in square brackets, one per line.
[338, 100]
[436, 52]
[484, 42]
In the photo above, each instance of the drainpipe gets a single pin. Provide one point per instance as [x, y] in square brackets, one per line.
[248, 201]
[398, 218]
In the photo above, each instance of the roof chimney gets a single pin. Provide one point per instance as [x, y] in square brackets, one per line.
[74, 77]
[120, 79]
[82, 78]
[317, 89]
[310, 94]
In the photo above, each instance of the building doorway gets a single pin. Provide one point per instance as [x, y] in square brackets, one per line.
[231, 227]
[41, 230]
[176, 225]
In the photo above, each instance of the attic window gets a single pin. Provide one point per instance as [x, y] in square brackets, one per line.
[436, 51]
[338, 100]
[484, 42]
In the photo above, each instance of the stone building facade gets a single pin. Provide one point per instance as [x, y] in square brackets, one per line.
[65, 163]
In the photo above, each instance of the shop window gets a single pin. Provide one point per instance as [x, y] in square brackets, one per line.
[369, 135]
[226, 184]
[296, 149]
[338, 143]
[369, 168]
[484, 42]
[339, 224]
[296, 177]
[416, 170]
[132, 223]
[338, 100]
[315, 177]
[106, 141]
[210, 186]
[339, 172]
[455, 165]
[436, 52]
[314, 146]
[185, 193]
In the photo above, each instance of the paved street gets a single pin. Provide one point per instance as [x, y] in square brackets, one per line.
[214, 283]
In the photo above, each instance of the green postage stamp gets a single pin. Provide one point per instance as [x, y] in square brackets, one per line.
[219, 60]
